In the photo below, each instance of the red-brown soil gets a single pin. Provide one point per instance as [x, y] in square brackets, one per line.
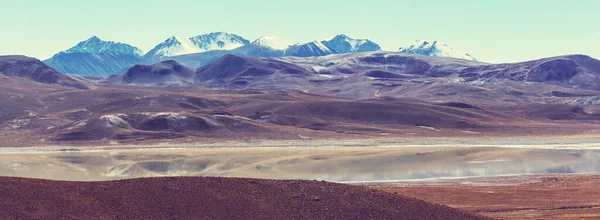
[548, 197]
[209, 198]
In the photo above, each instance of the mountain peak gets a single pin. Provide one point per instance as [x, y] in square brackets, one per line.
[93, 38]
[424, 43]
[175, 46]
[272, 42]
[95, 45]
[175, 40]
[314, 48]
[172, 38]
[436, 49]
[344, 44]
[218, 41]
[219, 33]
[341, 36]
[337, 37]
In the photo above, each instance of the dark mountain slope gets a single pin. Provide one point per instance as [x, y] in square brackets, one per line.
[33, 69]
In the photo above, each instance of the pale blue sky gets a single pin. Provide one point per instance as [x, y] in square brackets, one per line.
[490, 30]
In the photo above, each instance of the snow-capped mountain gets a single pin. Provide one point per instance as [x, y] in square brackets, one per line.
[95, 45]
[344, 44]
[272, 42]
[436, 49]
[218, 41]
[335, 45]
[95, 57]
[172, 47]
[175, 46]
[315, 48]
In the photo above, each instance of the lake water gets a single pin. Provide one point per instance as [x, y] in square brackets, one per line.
[341, 164]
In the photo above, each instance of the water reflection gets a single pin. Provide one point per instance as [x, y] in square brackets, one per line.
[346, 164]
[538, 161]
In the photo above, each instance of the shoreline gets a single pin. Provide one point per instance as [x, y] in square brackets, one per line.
[552, 142]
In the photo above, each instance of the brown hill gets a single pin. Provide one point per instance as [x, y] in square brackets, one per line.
[36, 114]
[165, 73]
[209, 198]
[33, 69]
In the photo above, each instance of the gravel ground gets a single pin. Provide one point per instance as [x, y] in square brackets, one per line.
[516, 197]
[209, 198]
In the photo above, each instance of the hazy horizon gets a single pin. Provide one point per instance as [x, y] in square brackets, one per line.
[492, 31]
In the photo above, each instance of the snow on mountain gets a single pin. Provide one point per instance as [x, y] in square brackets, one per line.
[218, 41]
[344, 44]
[272, 42]
[95, 57]
[335, 45]
[315, 48]
[95, 45]
[172, 47]
[436, 49]
[175, 46]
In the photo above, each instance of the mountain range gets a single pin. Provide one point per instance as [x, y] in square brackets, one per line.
[96, 57]
[213, 41]
[373, 74]
[369, 94]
